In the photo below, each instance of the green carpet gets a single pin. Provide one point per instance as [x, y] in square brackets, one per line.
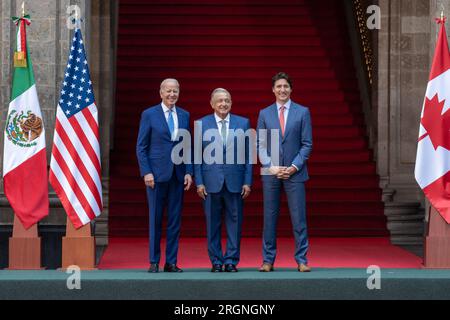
[285, 284]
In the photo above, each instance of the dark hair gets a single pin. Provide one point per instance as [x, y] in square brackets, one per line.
[281, 76]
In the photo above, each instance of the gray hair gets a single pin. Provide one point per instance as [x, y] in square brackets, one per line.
[220, 90]
[163, 84]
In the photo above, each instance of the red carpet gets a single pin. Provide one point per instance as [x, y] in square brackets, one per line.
[240, 45]
[324, 253]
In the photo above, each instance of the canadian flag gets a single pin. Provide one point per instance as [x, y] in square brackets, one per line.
[433, 155]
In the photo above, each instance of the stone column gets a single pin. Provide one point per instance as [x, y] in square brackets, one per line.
[102, 58]
[5, 88]
[403, 68]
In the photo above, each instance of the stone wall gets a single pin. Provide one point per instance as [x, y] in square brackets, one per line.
[49, 41]
[404, 64]
[404, 53]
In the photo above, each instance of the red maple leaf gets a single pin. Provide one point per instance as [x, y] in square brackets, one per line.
[436, 123]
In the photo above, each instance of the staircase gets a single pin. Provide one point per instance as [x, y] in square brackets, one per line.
[240, 45]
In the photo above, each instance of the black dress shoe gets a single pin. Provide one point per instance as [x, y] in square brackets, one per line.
[154, 268]
[172, 268]
[217, 268]
[231, 268]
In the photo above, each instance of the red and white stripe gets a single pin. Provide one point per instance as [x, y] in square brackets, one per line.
[75, 169]
[22, 37]
[432, 171]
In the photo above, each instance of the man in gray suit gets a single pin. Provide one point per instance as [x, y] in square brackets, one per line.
[287, 168]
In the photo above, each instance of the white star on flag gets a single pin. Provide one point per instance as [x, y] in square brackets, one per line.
[75, 170]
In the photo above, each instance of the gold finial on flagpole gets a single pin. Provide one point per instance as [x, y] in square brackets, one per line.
[20, 57]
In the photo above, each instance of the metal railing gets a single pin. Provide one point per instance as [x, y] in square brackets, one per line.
[365, 38]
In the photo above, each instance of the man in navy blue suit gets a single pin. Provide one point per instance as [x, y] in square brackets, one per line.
[286, 168]
[166, 181]
[224, 178]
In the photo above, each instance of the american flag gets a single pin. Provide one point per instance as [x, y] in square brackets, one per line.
[75, 169]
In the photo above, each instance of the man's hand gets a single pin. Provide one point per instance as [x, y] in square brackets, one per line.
[288, 173]
[188, 182]
[277, 171]
[246, 190]
[150, 181]
[201, 191]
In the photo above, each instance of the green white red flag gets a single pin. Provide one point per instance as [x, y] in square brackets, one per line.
[24, 153]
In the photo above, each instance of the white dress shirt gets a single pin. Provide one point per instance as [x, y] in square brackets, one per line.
[286, 115]
[219, 124]
[286, 112]
[166, 111]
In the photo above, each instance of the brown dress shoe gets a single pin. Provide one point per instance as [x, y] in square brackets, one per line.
[303, 268]
[266, 267]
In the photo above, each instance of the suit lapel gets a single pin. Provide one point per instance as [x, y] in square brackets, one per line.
[182, 123]
[232, 127]
[291, 119]
[181, 120]
[162, 118]
[275, 117]
[211, 123]
[275, 121]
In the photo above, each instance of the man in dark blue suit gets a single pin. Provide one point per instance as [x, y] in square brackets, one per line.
[166, 181]
[286, 162]
[224, 178]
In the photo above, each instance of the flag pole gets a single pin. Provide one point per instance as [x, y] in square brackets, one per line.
[437, 242]
[437, 238]
[24, 247]
[78, 246]
[77, 20]
[25, 244]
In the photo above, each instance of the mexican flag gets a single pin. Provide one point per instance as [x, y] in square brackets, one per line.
[24, 154]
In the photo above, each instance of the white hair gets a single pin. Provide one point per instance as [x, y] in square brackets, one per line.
[220, 90]
[165, 82]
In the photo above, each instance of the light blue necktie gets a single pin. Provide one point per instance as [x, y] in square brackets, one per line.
[171, 124]
[224, 132]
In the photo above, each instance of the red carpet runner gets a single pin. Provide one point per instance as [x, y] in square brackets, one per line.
[240, 45]
[324, 253]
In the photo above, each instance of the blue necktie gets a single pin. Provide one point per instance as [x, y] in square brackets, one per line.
[224, 132]
[171, 124]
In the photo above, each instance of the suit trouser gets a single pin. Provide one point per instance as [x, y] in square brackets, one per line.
[295, 192]
[232, 205]
[165, 195]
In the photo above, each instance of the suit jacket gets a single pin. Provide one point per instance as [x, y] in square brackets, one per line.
[154, 145]
[235, 175]
[295, 146]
